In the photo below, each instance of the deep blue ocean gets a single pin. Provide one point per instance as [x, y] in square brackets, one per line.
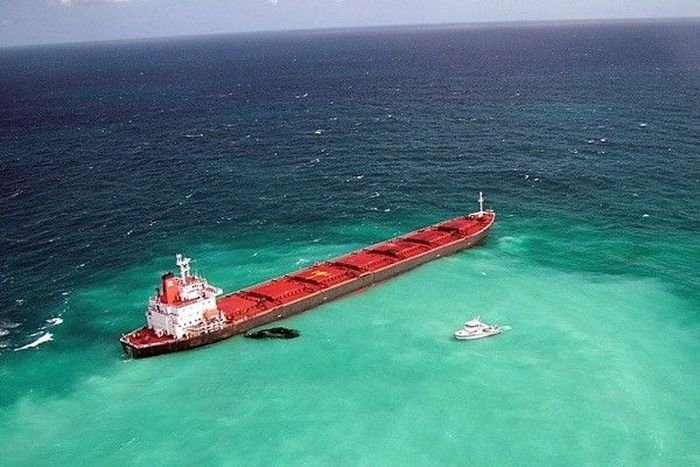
[259, 154]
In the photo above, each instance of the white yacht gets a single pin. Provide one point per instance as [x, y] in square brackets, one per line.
[475, 329]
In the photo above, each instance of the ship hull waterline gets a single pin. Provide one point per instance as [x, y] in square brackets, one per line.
[303, 304]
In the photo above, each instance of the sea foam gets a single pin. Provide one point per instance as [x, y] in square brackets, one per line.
[54, 321]
[44, 338]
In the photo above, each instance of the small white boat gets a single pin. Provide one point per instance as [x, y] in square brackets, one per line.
[475, 329]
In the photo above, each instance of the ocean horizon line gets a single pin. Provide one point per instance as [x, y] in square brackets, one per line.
[487, 25]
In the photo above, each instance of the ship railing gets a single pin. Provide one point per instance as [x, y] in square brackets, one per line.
[206, 328]
[212, 289]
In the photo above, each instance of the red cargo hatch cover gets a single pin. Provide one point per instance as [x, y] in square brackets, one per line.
[234, 306]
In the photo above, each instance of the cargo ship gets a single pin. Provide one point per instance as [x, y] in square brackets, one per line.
[188, 312]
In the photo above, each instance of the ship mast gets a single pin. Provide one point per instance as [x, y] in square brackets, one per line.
[184, 265]
[481, 204]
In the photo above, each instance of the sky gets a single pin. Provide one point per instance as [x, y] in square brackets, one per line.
[28, 22]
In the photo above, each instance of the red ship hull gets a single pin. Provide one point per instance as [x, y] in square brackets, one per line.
[308, 288]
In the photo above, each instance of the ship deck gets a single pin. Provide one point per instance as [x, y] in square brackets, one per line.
[250, 303]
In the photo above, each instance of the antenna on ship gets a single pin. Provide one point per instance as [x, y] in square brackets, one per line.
[184, 265]
[481, 204]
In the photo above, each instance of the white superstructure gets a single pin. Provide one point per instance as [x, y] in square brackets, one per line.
[185, 306]
[475, 329]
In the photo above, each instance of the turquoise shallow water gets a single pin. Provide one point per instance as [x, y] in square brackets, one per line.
[589, 158]
[596, 369]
